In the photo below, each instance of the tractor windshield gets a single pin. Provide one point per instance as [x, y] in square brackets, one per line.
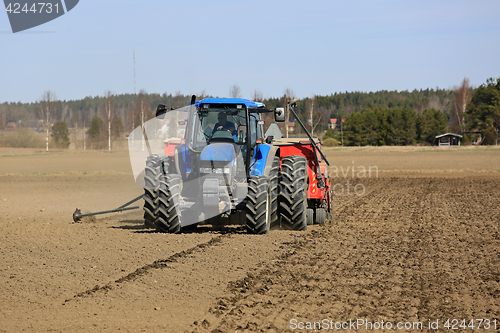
[225, 123]
[221, 122]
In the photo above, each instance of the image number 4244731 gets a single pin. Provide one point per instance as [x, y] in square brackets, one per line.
[25, 15]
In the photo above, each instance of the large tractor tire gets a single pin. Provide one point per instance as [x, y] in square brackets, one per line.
[258, 205]
[168, 205]
[273, 180]
[293, 192]
[152, 173]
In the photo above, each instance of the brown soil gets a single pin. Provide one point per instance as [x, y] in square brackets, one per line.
[421, 243]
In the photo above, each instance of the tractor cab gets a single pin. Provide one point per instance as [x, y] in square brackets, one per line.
[226, 120]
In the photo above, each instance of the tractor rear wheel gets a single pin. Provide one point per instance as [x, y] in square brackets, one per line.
[258, 205]
[273, 179]
[168, 205]
[152, 174]
[293, 192]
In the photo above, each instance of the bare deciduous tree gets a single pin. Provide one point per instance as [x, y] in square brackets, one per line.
[3, 116]
[109, 114]
[258, 96]
[316, 115]
[311, 115]
[463, 95]
[46, 111]
[322, 115]
[141, 112]
[235, 91]
[202, 95]
[142, 93]
[289, 95]
[177, 99]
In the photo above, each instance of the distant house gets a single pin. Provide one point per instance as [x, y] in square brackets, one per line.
[11, 126]
[333, 124]
[448, 139]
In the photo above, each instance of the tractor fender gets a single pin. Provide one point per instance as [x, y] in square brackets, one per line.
[263, 159]
[184, 160]
[274, 151]
[177, 159]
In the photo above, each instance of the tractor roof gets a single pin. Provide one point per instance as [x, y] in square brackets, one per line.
[249, 104]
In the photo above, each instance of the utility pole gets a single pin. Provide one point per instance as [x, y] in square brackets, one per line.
[134, 72]
[341, 131]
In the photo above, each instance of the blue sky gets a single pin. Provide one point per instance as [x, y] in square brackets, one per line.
[312, 47]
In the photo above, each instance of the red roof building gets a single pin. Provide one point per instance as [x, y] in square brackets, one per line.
[11, 126]
[332, 124]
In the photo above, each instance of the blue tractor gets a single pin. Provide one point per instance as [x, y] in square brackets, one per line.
[209, 162]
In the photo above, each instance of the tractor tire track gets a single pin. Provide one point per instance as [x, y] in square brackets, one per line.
[157, 264]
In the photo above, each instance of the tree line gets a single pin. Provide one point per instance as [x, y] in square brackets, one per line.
[374, 118]
[393, 126]
[418, 117]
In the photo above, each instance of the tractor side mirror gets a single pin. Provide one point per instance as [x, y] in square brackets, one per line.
[160, 110]
[279, 115]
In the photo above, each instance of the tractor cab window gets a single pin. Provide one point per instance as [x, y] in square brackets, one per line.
[214, 125]
[223, 122]
[256, 129]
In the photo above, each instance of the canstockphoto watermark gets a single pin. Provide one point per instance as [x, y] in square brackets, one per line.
[352, 174]
[27, 14]
[356, 324]
[429, 325]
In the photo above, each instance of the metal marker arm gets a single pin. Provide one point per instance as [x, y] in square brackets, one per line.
[321, 181]
[77, 215]
[308, 134]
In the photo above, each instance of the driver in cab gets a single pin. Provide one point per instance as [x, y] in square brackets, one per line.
[224, 125]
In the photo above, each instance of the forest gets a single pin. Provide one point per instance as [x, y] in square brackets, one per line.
[366, 118]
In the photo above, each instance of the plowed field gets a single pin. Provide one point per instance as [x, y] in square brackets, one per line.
[415, 242]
